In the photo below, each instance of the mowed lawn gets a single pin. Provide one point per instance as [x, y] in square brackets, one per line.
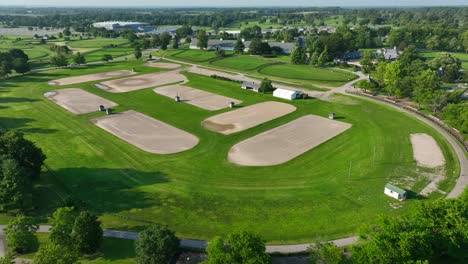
[241, 62]
[462, 56]
[194, 55]
[97, 42]
[305, 72]
[328, 192]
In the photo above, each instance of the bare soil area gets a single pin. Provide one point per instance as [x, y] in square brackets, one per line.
[78, 101]
[91, 77]
[426, 151]
[143, 81]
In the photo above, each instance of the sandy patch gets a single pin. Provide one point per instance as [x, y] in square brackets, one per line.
[143, 81]
[147, 133]
[78, 101]
[200, 98]
[90, 77]
[426, 151]
[285, 142]
[247, 117]
[162, 65]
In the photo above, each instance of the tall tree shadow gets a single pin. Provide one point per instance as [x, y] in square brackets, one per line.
[21, 125]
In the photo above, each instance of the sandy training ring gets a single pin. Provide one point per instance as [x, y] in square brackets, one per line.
[78, 101]
[147, 133]
[426, 151]
[247, 117]
[162, 65]
[199, 98]
[91, 77]
[284, 143]
[143, 81]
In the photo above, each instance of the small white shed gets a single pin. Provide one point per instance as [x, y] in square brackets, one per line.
[395, 192]
[287, 94]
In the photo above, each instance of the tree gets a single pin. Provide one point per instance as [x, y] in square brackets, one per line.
[239, 47]
[258, 47]
[156, 244]
[56, 254]
[21, 234]
[220, 53]
[266, 86]
[87, 233]
[59, 60]
[138, 53]
[15, 186]
[78, 58]
[323, 58]
[298, 55]
[67, 32]
[107, 57]
[326, 253]
[9, 258]
[465, 41]
[425, 85]
[202, 39]
[379, 74]
[447, 65]
[184, 31]
[63, 221]
[165, 39]
[21, 65]
[247, 247]
[367, 61]
[175, 43]
[314, 58]
[392, 76]
[457, 116]
[29, 157]
[218, 252]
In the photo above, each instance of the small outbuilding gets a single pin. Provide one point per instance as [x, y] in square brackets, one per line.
[395, 192]
[287, 94]
[251, 86]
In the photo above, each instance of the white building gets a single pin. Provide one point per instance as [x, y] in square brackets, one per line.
[287, 94]
[251, 86]
[124, 25]
[395, 192]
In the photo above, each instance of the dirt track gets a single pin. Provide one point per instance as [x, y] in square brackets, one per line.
[196, 97]
[143, 81]
[147, 133]
[247, 117]
[162, 65]
[91, 77]
[284, 143]
[78, 101]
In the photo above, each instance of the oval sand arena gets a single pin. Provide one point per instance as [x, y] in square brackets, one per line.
[91, 77]
[284, 143]
[147, 133]
[78, 101]
[247, 117]
[199, 98]
[143, 81]
[426, 151]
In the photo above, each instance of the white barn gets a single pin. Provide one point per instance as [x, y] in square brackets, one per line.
[395, 192]
[287, 94]
[251, 86]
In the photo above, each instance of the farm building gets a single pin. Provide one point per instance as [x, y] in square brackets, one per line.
[287, 94]
[251, 86]
[395, 192]
[121, 26]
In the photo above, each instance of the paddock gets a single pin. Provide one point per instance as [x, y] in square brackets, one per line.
[78, 101]
[143, 81]
[247, 117]
[196, 97]
[284, 143]
[91, 77]
[147, 133]
[426, 151]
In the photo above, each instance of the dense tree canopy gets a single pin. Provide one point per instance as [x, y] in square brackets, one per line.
[155, 245]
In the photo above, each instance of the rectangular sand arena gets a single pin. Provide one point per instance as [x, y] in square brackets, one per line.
[143, 81]
[426, 151]
[199, 98]
[285, 142]
[147, 133]
[91, 77]
[78, 101]
[247, 117]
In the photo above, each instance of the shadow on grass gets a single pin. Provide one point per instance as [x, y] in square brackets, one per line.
[115, 249]
[6, 100]
[414, 195]
[20, 124]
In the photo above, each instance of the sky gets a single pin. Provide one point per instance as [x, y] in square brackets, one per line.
[218, 3]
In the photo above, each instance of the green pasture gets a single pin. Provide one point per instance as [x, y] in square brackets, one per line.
[241, 62]
[306, 72]
[194, 55]
[97, 42]
[462, 56]
[326, 193]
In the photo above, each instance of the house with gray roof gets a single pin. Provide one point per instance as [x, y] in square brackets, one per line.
[389, 54]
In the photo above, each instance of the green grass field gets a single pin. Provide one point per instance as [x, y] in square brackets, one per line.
[305, 72]
[97, 42]
[194, 55]
[241, 62]
[114, 250]
[462, 56]
[328, 192]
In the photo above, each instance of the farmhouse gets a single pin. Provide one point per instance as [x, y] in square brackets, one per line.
[395, 192]
[389, 54]
[287, 94]
[251, 86]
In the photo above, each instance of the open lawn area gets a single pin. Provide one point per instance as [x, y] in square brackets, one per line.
[97, 42]
[306, 72]
[241, 62]
[462, 56]
[194, 55]
[328, 192]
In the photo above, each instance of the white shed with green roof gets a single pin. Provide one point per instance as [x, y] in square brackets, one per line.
[395, 192]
